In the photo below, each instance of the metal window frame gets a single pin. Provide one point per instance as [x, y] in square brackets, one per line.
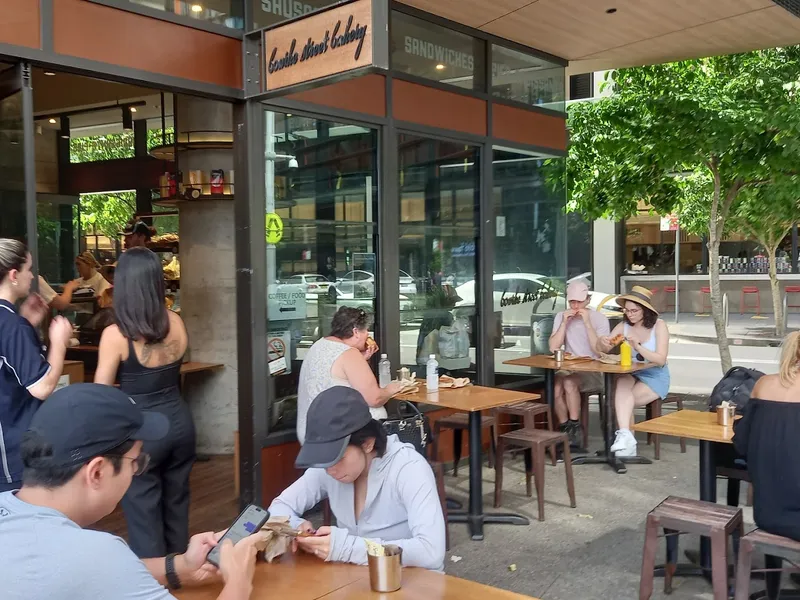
[164, 15]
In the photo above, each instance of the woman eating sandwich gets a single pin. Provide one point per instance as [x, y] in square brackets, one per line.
[341, 359]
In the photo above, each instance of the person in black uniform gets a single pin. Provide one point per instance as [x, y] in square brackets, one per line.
[147, 345]
[26, 376]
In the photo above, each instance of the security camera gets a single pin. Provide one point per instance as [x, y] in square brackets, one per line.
[293, 164]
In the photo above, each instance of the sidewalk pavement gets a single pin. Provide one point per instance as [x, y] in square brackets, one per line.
[749, 330]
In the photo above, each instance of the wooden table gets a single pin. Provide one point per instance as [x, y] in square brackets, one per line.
[702, 426]
[586, 365]
[303, 577]
[473, 399]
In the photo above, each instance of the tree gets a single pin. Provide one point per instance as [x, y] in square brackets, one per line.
[726, 117]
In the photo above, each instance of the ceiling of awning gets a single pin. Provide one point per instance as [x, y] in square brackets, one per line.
[638, 32]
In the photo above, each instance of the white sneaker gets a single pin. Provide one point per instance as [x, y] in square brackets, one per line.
[625, 444]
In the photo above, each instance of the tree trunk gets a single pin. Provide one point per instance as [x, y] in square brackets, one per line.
[777, 306]
[716, 301]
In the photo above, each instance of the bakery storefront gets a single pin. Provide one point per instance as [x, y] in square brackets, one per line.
[407, 170]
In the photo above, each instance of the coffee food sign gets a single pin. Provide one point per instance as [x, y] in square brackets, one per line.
[326, 43]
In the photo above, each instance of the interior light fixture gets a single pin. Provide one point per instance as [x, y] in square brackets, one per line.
[133, 109]
[49, 73]
[611, 11]
[196, 8]
[51, 121]
[439, 67]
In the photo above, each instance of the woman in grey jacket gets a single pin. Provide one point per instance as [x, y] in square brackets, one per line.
[379, 488]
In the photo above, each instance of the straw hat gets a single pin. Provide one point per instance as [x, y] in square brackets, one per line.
[639, 295]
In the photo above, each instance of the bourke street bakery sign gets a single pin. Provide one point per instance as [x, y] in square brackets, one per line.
[329, 42]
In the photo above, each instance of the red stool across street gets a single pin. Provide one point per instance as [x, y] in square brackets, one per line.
[746, 291]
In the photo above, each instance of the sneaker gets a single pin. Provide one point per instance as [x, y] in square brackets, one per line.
[575, 434]
[624, 444]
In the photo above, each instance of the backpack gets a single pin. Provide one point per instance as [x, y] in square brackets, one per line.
[735, 387]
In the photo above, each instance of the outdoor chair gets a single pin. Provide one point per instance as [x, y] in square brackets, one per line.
[459, 422]
[528, 411]
[776, 549]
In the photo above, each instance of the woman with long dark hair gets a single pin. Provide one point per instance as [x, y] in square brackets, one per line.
[26, 376]
[649, 340]
[147, 345]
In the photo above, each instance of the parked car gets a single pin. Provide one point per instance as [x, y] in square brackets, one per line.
[407, 283]
[314, 284]
[349, 294]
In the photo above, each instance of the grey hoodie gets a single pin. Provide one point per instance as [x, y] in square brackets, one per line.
[402, 508]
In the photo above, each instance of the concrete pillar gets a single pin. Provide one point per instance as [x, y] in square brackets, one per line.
[604, 253]
[208, 278]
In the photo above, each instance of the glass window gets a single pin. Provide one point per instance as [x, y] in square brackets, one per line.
[426, 50]
[650, 251]
[530, 254]
[12, 168]
[439, 191]
[270, 12]
[321, 180]
[579, 250]
[229, 13]
[527, 78]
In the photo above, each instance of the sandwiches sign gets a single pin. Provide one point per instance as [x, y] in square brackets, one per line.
[327, 43]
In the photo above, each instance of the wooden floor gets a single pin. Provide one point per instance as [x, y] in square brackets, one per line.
[213, 505]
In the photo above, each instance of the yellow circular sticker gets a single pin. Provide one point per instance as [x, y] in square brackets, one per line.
[274, 226]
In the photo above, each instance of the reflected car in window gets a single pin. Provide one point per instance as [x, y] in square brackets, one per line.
[407, 284]
[313, 283]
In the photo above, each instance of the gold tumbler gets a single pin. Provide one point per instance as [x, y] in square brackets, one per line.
[386, 572]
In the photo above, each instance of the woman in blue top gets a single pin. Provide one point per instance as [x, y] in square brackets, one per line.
[649, 340]
[26, 377]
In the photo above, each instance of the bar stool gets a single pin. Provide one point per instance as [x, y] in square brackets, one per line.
[791, 289]
[682, 515]
[537, 441]
[669, 297]
[705, 292]
[777, 549]
[528, 411]
[748, 290]
[652, 411]
[459, 422]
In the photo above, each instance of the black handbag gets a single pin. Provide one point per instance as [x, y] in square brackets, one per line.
[411, 426]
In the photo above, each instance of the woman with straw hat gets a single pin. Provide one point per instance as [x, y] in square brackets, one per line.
[649, 340]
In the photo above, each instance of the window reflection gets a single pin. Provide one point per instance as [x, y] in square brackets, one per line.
[527, 78]
[229, 13]
[530, 253]
[439, 187]
[321, 182]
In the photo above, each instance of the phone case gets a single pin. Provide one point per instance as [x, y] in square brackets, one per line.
[213, 555]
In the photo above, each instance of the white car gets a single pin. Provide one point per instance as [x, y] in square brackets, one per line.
[407, 284]
[313, 283]
[519, 295]
[347, 294]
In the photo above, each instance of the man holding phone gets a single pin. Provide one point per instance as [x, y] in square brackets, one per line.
[80, 454]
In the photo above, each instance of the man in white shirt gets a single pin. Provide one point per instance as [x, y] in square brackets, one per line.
[577, 329]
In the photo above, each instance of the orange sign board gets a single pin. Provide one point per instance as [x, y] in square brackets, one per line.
[326, 43]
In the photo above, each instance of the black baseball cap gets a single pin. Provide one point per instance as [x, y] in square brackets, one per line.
[85, 420]
[136, 226]
[334, 415]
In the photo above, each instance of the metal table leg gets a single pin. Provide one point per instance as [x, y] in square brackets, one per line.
[474, 517]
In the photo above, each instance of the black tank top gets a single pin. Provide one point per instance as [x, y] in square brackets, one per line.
[154, 383]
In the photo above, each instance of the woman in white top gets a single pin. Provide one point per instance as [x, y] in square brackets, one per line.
[341, 359]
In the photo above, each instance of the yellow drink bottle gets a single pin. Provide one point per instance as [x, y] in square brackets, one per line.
[625, 354]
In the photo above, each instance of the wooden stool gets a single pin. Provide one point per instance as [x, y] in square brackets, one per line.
[459, 422]
[748, 290]
[528, 412]
[537, 441]
[652, 411]
[681, 515]
[735, 476]
[776, 549]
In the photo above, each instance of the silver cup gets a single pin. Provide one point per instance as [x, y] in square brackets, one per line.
[386, 572]
[726, 415]
[559, 355]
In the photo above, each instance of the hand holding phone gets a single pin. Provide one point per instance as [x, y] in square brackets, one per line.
[250, 521]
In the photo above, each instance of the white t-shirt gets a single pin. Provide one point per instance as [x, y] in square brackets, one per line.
[97, 282]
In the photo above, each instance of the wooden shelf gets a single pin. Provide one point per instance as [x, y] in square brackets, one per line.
[177, 201]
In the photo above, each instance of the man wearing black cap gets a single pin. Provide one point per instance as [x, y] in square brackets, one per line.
[80, 454]
[347, 453]
[137, 234]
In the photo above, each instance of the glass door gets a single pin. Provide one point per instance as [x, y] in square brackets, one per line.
[321, 224]
[13, 206]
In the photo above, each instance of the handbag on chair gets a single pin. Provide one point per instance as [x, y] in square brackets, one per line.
[410, 426]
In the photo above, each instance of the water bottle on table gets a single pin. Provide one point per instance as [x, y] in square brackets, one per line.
[432, 374]
[384, 371]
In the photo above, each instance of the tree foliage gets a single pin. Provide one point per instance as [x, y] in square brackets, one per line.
[688, 137]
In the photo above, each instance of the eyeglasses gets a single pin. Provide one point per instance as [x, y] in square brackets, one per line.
[140, 463]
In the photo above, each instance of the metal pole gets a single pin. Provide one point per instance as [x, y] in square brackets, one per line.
[269, 181]
[677, 271]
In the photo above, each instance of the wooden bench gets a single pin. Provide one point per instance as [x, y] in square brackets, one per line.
[682, 515]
